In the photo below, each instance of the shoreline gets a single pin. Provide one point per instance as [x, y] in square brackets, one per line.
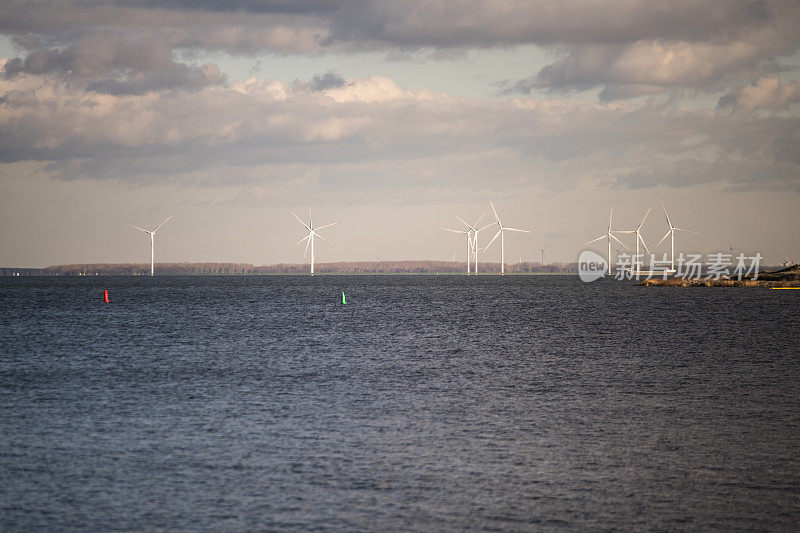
[679, 282]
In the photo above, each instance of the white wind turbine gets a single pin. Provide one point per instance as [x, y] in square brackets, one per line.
[671, 232]
[152, 234]
[608, 235]
[312, 233]
[472, 240]
[639, 238]
[474, 229]
[500, 233]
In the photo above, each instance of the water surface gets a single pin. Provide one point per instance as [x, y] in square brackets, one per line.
[426, 403]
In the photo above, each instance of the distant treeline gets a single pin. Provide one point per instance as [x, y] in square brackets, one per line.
[352, 267]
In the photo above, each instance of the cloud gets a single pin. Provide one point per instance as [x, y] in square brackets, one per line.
[329, 80]
[107, 63]
[627, 48]
[767, 93]
[648, 67]
[246, 28]
[743, 46]
[307, 25]
[366, 138]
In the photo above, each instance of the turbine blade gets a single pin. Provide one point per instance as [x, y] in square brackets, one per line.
[669, 223]
[595, 240]
[479, 220]
[305, 253]
[463, 222]
[515, 229]
[546, 247]
[664, 237]
[486, 226]
[624, 232]
[455, 231]
[686, 230]
[493, 239]
[323, 238]
[301, 240]
[644, 217]
[300, 221]
[495, 211]
[140, 229]
[609, 219]
[325, 226]
[619, 241]
[159, 226]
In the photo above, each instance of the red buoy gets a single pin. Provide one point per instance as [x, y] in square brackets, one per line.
[105, 296]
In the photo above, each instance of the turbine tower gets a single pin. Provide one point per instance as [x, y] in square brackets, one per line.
[152, 234]
[500, 233]
[542, 250]
[609, 235]
[671, 233]
[474, 229]
[312, 233]
[472, 240]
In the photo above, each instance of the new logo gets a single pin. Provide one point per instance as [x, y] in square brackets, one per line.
[591, 266]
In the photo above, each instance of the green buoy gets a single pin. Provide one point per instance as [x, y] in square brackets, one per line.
[343, 300]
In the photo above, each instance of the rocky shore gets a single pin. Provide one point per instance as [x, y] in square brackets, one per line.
[785, 278]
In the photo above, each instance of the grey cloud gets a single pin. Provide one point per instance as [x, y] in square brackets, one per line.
[368, 136]
[410, 24]
[417, 23]
[188, 77]
[648, 67]
[329, 80]
[247, 6]
[625, 47]
[625, 91]
[236, 31]
[116, 66]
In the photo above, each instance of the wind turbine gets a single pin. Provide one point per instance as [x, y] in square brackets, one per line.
[474, 229]
[472, 239]
[639, 237]
[609, 235]
[501, 233]
[152, 234]
[312, 233]
[542, 250]
[671, 232]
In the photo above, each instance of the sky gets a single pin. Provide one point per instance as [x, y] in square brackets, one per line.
[390, 118]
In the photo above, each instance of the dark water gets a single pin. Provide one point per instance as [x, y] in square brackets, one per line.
[426, 403]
